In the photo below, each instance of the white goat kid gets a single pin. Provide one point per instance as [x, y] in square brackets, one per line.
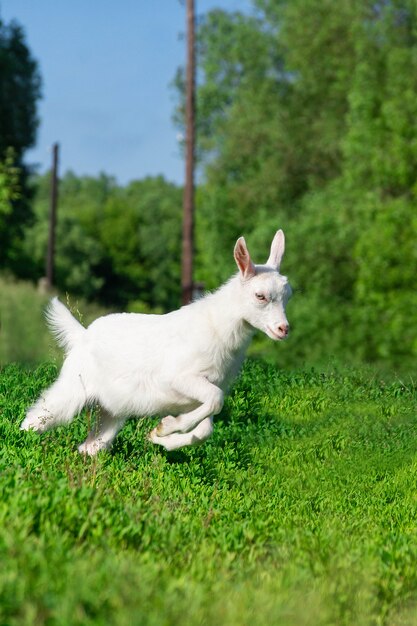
[178, 364]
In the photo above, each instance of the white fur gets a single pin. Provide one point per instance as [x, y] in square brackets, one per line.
[178, 364]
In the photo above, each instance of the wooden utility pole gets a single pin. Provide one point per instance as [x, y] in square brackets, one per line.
[188, 217]
[50, 257]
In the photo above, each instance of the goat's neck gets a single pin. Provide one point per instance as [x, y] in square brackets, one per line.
[225, 314]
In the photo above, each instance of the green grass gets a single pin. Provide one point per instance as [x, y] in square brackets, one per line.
[24, 336]
[302, 509]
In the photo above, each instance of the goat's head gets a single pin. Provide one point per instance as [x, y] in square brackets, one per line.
[266, 291]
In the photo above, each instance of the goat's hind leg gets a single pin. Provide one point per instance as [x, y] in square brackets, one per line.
[57, 405]
[102, 434]
[194, 437]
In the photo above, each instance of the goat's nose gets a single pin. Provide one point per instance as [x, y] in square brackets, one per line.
[284, 328]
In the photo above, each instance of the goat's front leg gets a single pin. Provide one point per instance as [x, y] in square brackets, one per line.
[195, 388]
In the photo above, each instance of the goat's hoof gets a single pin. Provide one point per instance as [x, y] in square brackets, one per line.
[164, 442]
[167, 426]
[152, 436]
[91, 448]
[35, 423]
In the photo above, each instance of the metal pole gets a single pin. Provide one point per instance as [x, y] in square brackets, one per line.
[50, 257]
[188, 217]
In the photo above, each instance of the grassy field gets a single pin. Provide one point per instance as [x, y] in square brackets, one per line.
[302, 509]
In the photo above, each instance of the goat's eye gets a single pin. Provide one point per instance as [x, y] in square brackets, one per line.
[261, 297]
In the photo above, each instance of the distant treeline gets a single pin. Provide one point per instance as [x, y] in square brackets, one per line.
[116, 245]
[307, 120]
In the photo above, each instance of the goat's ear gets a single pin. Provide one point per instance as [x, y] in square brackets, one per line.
[277, 250]
[243, 260]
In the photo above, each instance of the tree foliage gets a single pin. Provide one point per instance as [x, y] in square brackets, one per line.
[115, 244]
[307, 120]
[19, 93]
[316, 132]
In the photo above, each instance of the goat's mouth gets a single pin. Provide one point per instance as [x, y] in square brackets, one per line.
[276, 336]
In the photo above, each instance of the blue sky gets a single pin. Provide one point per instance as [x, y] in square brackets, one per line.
[106, 67]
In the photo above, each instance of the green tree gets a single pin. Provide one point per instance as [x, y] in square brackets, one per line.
[316, 132]
[80, 256]
[141, 232]
[9, 186]
[272, 104]
[19, 93]
[113, 244]
[381, 160]
[385, 286]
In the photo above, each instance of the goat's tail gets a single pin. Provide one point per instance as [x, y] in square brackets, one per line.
[63, 325]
